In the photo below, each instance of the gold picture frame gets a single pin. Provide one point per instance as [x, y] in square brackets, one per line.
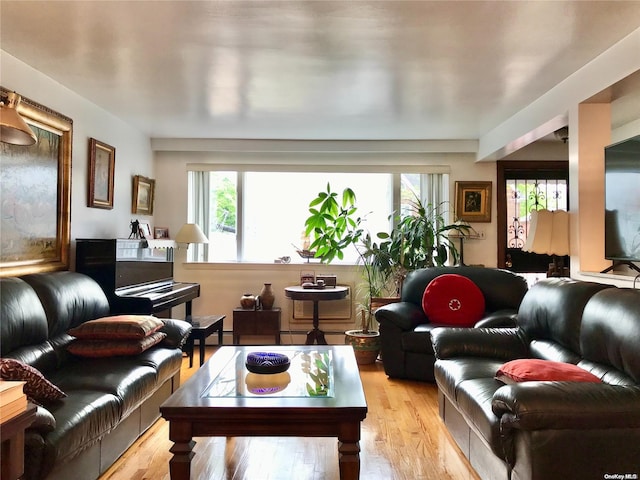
[36, 193]
[473, 201]
[143, 192]
[102, 161]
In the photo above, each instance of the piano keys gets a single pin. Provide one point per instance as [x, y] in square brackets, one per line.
[136, 279]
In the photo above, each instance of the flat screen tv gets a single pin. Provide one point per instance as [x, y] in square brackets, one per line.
[622, 202]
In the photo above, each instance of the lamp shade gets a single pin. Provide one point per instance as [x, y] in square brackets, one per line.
[463, 230]
[548, 233]
[191, 233]
[13, 128]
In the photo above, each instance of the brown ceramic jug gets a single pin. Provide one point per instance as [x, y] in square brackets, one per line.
[266, 297]
[248, 301]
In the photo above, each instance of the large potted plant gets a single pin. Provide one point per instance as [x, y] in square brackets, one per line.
[420, 239]
[379, 275]
[334, 225]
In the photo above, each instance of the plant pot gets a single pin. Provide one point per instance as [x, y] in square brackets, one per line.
[366, 346]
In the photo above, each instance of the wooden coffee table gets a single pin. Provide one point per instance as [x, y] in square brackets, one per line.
[224, 399]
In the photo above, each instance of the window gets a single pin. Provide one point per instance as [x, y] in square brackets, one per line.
[258, 216]
[277, 203]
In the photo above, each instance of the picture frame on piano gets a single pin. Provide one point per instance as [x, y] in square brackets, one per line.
[161, 233]
[143, 192]
[145, 230]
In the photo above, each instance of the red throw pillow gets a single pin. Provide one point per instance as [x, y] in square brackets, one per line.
[526, 370]
[453, 300]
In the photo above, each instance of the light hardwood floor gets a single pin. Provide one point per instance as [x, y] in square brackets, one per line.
[402, 439]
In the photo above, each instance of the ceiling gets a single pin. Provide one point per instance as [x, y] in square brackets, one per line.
[312, 69]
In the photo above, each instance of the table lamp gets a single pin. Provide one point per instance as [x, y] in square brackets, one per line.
[549, 235]
[190, 233]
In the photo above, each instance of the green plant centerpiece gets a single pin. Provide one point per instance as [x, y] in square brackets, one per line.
[317, 367]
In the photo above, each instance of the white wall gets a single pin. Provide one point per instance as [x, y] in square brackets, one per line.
[481, 251]
[133, 151]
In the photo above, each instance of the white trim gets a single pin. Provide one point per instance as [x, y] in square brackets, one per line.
[344, 168]
[329, 146]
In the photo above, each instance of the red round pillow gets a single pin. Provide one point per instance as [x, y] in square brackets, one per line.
[453, 300]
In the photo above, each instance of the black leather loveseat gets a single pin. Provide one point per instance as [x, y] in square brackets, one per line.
[109, 401]
[551, 429]
[405, 329]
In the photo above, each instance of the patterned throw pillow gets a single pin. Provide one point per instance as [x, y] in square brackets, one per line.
[37, 387]
[112, 348]
[131, 327]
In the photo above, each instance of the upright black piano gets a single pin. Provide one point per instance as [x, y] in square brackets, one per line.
[137, 279]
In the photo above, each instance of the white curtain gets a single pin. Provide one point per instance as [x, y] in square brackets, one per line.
[434, 190]
[200, 212]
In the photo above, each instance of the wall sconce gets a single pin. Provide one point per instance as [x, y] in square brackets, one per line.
[13, 128]
[190, 233]
[549, 235]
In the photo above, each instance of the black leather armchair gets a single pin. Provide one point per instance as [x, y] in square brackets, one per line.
[406, 347]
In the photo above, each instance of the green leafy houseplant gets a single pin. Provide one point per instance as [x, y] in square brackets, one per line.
[334, 225]
[420, 238]
[378, 274]
[317, 367]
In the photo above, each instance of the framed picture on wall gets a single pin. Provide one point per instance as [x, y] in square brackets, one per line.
[102, 161]
[143, 191]
[36, 194]
[473, 201]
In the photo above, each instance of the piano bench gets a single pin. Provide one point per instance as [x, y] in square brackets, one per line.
[201, 328]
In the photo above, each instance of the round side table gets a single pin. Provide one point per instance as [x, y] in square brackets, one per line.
[316, 295]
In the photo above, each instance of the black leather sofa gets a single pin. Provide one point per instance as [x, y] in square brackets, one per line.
[546, 430]
[110, 401]
[406, 348]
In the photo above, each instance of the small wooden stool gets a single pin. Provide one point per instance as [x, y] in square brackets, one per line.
[201, 328]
